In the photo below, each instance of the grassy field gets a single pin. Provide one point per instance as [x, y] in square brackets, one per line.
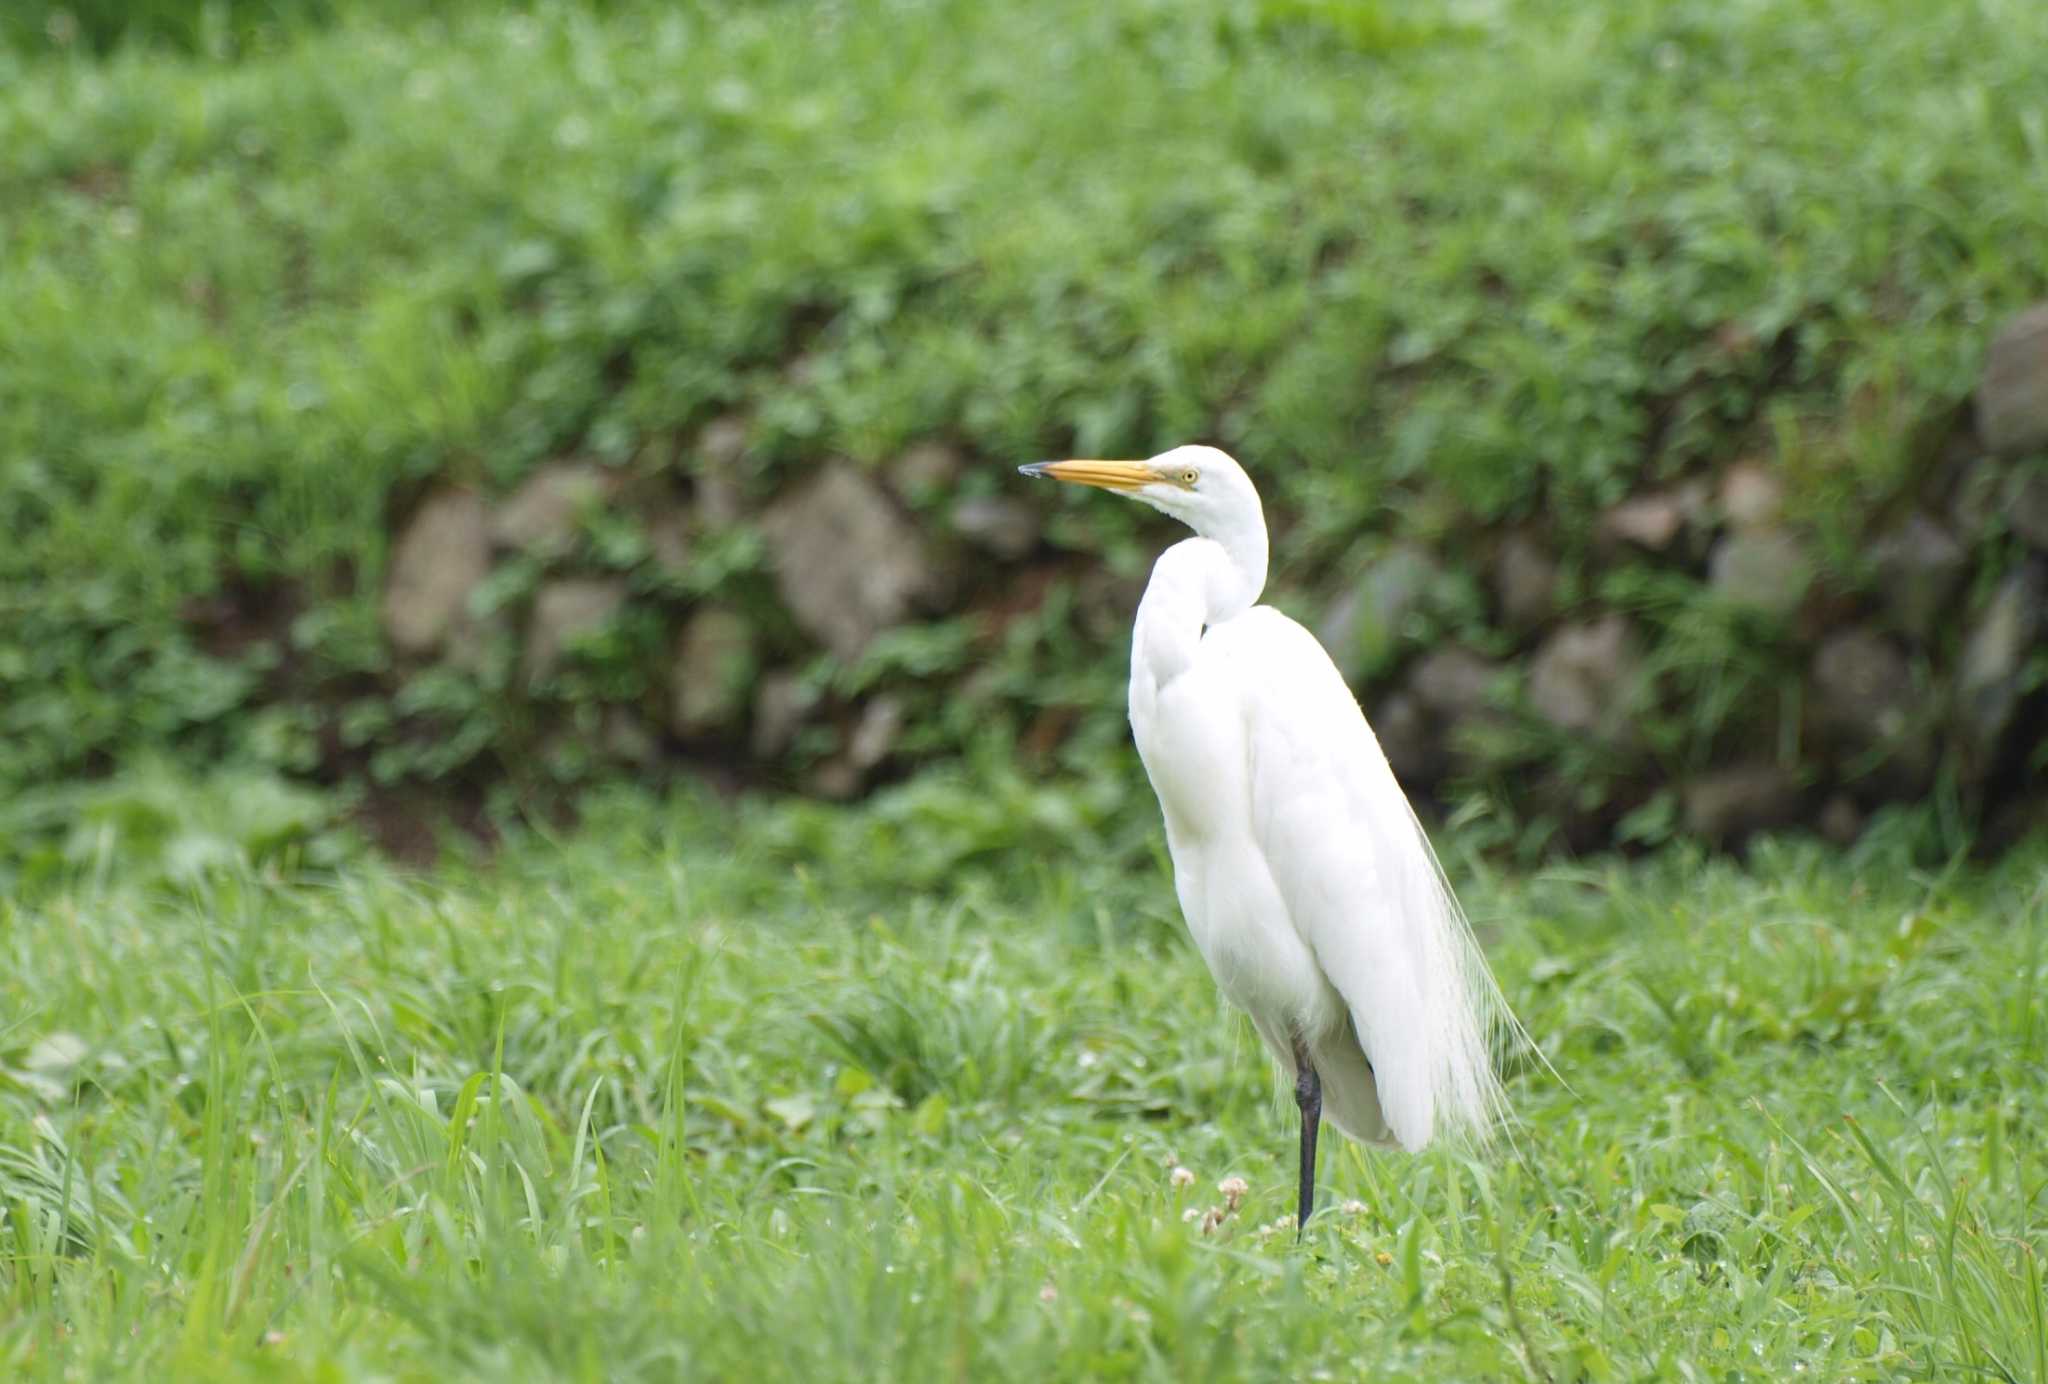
[897, 1093]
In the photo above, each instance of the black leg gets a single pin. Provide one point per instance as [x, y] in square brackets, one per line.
[1308, 1094]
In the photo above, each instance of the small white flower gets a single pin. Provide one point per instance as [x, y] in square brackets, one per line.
[1191, 1214]
[1233, 1190]
[1181, 1177]
[1353, 1208]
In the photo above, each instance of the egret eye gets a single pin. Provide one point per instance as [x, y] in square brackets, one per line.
[1190, 476]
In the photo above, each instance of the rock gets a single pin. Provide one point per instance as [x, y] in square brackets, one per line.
[1648, 521]
[2026, 505]
[1362, 628]
[781, 703]
[1764, 570]
[718, 452]
[1751, 495]
[835, 779]
[1524, 582]
[1864, 703]
[875, 734]
[925, 470]
[1862, 689]
[847, 564]
[2012, 398]
[627, 737]
[708, 680]
[540, 516]
[1695, 502]
[1988, 679]
[1584, 678]
[801, 370]
[1405, 737]
[441, 557]
[1006, 527]
[1725, 805]
[1919, 570]
[564, 611]
[1446, 690]
[721, 444]
[1841, 821]
[720, 501]
[1994, 497]
[473, 642]
[668, 541]
[1978, 499]
[1452, 684]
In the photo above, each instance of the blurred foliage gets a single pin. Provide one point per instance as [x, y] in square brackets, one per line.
[214, 28]
[157, 822]
[271, 267]
[192, 26]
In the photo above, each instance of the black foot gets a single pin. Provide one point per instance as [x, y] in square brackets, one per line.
[1308, 1094]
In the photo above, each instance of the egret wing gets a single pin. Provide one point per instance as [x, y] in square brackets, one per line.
[1362, 885]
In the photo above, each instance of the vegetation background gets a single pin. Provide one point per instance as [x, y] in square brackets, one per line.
[458, 409]
[569, 446]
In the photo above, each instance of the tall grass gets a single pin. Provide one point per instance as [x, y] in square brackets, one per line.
[666, 1100]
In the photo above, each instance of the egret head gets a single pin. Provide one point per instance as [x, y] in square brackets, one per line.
[1203, 488]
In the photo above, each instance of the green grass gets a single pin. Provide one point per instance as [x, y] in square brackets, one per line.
[808, 1094]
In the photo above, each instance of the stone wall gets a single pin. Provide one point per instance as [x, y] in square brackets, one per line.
[1715, 656]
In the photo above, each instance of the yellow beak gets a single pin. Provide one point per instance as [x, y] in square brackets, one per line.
[1104, 475]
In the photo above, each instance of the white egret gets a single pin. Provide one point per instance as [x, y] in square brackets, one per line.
[1306, 882]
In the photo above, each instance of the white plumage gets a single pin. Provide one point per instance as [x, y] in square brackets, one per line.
[1305, 880]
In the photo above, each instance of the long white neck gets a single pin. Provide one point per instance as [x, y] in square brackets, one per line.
[1196, 583]
[1242, 536]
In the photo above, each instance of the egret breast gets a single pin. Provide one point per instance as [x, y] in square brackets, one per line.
[1191, 736]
